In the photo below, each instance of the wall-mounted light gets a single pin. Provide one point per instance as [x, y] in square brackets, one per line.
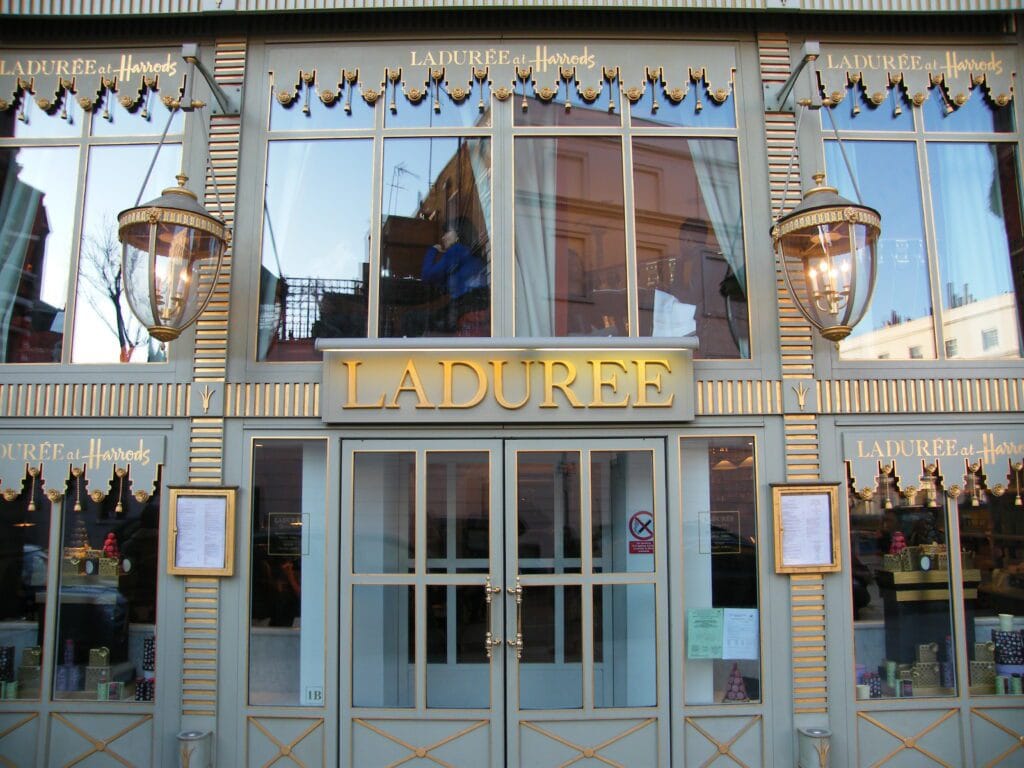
[827, 245]
[173, 247]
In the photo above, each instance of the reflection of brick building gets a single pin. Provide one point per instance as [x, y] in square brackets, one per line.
[27, 332]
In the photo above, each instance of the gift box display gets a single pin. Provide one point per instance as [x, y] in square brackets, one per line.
[99, 657]
[6, 663]
[94, 676]
[69, 678]
[145, 690]
[149, 655]
[985, 651]
[29, 677]
[32, 656]
[1009, 646]
[928, 652]
[8, 690]
[983, 673]
[947, 672]
[925, 674]
[112, 691]
[874, 683]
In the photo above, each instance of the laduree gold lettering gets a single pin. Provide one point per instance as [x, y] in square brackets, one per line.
[600, 382]
[353, 391]
[415, 385]
[645, 380]
[499, 385]
[448, 367]
[550, 385]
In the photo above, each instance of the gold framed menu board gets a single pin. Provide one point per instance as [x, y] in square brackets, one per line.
[202, 531]
[806, 521]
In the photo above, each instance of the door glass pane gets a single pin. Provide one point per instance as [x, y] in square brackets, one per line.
[383, 505]
[458, 670]
[720, 589]
[570, 240]
[551, 669]
[286, 634]
[435, 238]
[898, 324]
[24, 559]
[902, 610]
[975, 190]
[691, 273]
[992, 541]
[316, 230]
[383, 646]
[622, 509]
[37, 200]
[625, 647]
[458, 512]
[548, 512]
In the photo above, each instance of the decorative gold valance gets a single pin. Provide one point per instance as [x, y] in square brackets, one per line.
[919, 72]
[462, 70]
[91, 465]
[51, 80]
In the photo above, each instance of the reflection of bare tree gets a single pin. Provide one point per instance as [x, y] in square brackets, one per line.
[101, 270]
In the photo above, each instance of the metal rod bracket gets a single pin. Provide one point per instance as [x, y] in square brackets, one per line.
[780, 99]
[228, 99]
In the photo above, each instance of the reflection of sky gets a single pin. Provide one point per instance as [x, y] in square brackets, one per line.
[318, 205]
[115, 120]
[856, 113]
[54, 171]
[687, 113]
[114, 176]
[902, 284]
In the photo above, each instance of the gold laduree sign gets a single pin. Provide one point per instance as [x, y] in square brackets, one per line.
[916, 69]
[521, 386]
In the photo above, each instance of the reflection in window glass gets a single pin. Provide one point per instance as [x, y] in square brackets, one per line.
[437, 109]
[625, 647]
[548, 493]
[106, 611]
[316, 227]
[435, 238]
[458, 670]
[720, 570]
[383, 647]
[310, 113]
[978, 114]
[384, 499]
[570, 243]
[622, 511]
[696, 110]
[900, 314]
[900, 583]
[858, 113]
[106, 330]
[551, 669]
[63, 121]
[567, 107]
[689, 232]
[37, 204]
[24, 561]
[992, 540]
[286, 634]
[975, 191]
[148, 118]
[458, 512]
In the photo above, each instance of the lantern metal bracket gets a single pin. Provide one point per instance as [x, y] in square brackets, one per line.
[781, 100]
[228, 100]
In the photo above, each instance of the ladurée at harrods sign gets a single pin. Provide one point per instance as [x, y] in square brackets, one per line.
[501, 385]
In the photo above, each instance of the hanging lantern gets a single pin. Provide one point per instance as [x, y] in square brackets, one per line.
[173, 249]
[828, 249]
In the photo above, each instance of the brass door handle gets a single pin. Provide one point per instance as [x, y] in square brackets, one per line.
[517, 590]
[490, 641]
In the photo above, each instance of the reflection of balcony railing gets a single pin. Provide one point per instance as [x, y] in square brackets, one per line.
[301, 299]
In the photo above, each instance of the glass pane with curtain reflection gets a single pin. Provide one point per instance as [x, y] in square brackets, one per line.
[570, 242]
[976, 193]
[315, 248]
[458, 670]
[383, 646]
[625, 646]
[458, 512]
[898, 323]
[551, 669]
[383, 505]
[37, 205]
[622, 511]
[106, 330]
[548, 512]
[24, 563]
[435, 238]
[691, 271]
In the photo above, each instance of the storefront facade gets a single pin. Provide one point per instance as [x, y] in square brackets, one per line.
[499, 387]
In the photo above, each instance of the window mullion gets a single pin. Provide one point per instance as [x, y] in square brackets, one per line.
[376, 213]
[931, 245]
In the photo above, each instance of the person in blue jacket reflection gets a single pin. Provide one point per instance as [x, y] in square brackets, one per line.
[461, 275]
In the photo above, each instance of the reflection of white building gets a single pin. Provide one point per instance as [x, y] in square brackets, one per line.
[981, 329]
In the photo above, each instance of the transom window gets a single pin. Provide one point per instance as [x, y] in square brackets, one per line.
[501, 210]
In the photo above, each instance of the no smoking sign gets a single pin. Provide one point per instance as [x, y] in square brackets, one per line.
[641, 533]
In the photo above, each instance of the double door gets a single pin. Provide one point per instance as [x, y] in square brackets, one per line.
[503, 603]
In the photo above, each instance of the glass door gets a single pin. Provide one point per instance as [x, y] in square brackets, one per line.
[500, 604]
[585, 572]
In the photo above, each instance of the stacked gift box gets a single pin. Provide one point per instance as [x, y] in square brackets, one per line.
[98, 671]
[30, 671]
[145, 686]
[1009, 659]
[69, 675]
